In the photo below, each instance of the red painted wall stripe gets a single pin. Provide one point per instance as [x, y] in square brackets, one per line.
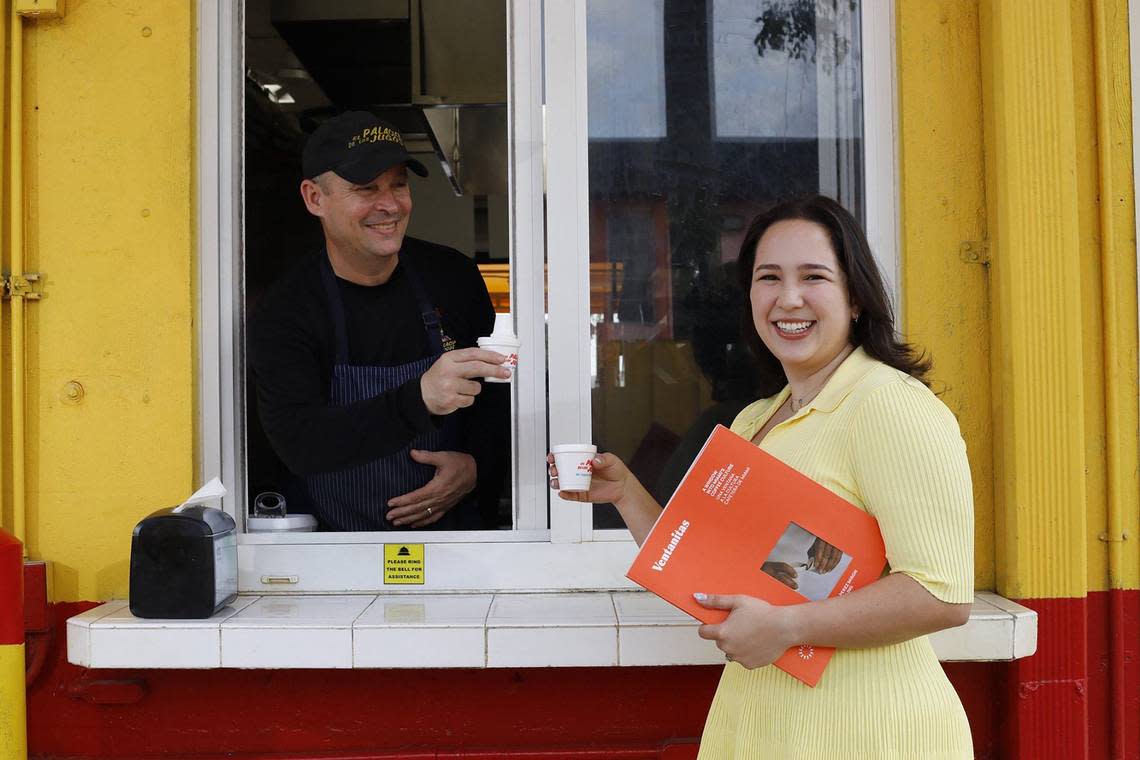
[1052, 705]
[1131, 675]
[1059, 700]
[541, 713]
[1049, 699]
[11, 590]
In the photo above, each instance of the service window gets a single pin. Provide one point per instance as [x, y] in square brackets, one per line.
[598, 161]
[436, 71]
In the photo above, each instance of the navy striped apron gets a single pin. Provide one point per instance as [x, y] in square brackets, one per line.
[356, 498]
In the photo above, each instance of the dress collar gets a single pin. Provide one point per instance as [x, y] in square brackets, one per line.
[846, 376]
[842, 381]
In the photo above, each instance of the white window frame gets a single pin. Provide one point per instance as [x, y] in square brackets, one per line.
[881, 145]
[549, 142]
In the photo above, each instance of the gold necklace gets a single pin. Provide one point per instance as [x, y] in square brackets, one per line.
[805, 400]
[802, 401]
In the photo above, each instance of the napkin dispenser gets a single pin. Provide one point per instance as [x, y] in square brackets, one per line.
[183, 563]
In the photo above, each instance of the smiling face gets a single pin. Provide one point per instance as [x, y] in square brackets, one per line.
[364, 224]
[800, 305]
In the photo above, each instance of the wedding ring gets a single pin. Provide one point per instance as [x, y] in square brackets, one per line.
[429, 511]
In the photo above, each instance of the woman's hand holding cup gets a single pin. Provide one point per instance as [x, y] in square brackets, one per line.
[606, 483]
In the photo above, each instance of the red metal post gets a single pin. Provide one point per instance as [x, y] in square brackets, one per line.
[13, 714]
[11, 590]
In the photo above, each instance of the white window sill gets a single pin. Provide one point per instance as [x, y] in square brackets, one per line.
[461, 631]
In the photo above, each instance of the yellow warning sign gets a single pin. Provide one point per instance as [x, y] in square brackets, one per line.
[404, 564]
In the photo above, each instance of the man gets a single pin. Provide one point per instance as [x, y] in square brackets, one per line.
[365, 382]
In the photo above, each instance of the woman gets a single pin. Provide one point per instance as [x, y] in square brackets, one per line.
[844, 402]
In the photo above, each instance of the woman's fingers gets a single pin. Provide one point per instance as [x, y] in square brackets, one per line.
[552, 472]
[605, 461]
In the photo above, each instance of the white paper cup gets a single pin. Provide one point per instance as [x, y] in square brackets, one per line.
[507, 346]
[575, 463]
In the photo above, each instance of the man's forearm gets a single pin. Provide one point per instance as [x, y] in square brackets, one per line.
[320, 438]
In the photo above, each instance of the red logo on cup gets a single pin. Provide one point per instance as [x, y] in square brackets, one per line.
[587, 466]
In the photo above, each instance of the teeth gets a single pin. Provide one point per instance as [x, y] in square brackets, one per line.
[793, 327]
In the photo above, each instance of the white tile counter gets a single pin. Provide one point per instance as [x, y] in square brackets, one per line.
[461, 631]
[552, 630]
[422, 632]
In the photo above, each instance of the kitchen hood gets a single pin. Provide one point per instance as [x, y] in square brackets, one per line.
[436, 69]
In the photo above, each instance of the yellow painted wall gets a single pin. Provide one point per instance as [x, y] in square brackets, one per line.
[1030, 539]
[946, 298]
[1092, 327]
[110, 220]
[1115, 444]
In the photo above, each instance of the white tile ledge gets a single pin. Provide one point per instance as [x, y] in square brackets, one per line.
[582, 629]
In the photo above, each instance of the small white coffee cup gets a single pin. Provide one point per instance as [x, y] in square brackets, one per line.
[508, 347]
[575, 463]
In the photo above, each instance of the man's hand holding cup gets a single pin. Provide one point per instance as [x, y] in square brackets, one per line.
[502, 340]
[450, 383]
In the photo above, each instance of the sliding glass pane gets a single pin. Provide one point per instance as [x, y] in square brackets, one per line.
[702, 113]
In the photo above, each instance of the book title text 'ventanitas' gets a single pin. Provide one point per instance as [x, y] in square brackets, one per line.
[674, 539]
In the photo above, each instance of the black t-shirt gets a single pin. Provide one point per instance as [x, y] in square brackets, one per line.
[292, 350]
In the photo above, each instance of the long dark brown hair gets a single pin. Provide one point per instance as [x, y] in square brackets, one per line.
[875, 328]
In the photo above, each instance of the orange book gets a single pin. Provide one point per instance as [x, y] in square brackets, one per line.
[743, 522]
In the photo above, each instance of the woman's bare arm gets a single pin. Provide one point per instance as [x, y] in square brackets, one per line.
[613, 482]
[890, 610]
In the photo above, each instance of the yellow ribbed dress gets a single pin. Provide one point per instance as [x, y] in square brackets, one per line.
[884, 442]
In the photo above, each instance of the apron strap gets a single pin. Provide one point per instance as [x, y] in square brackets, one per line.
[428, 313]
[336, 309]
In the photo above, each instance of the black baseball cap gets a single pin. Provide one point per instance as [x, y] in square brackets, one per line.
[358, 147]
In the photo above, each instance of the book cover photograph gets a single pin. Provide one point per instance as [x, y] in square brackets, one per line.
[743, 522]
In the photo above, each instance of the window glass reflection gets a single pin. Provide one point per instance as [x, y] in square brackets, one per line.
[626, 52]
[758, 100]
